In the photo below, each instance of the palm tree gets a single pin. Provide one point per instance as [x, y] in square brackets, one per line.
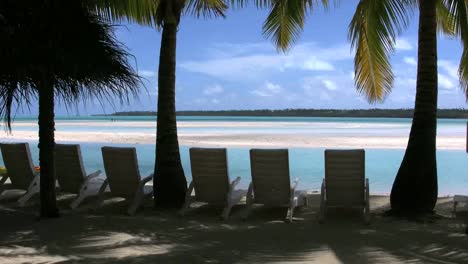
[170, 183]
[373, 30]
[57, 49]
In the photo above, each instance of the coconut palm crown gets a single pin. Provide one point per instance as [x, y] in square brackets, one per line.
[57, 49]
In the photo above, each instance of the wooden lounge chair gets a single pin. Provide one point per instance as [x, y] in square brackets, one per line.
[70, 172]
[20, 170]
[211, 180]
[123, 177]
[271, 184]
[345, 185]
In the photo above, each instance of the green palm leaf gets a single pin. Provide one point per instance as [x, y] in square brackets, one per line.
[457, 25]
[373, 32]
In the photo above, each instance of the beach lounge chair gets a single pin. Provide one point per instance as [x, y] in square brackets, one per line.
[271, 184]
[345, 185]
[20, 170]
[459, 199]
[123, 177]
[210, 180]
[70, 172]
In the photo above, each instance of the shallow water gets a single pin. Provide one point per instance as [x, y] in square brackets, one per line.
[305, 164]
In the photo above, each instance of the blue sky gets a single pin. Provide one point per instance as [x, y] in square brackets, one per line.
[228, 64]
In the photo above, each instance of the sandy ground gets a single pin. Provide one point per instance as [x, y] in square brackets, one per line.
[243, 140]
[107, 235]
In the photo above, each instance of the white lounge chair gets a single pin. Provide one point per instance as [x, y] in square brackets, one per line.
[71, 175]
[20, 170]
[211, 180]
[345, 185]
[271, 184]
[123, 177]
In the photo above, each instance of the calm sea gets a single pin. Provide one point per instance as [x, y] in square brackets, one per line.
[307, 164]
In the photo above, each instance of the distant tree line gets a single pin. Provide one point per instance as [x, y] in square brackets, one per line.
[396, 113]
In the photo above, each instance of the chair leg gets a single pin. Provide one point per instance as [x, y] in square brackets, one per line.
[81, 197]
[100, 196]
[289, 214]
[366, 216]
[188, 200]
[137, 201]
[227, 210]
[367, 213]
[24, 199]
[455, 203]
[32, 190]
[323, 209]
[185, 207]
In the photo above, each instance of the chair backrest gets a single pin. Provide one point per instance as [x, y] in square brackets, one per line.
[69, 167]
[210, 174]
[17, 160]
[270, 176]
[345, 177]
[122, 172]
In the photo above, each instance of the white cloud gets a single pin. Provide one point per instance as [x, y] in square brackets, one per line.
[315, 64]
[269, 89]
[410, 61]
[147, 73]
[254, 63]
[445, 82]
[215, 89]
[449, 67]
[330, 85]
[403, 44]
[215, 101]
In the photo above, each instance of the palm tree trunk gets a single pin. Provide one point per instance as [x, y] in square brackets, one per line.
[46, 149]
[415, 188]
[170, 184]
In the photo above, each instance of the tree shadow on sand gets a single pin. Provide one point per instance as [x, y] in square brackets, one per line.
[109, 236]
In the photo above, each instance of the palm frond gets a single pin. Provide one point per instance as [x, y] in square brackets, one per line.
[285, 22]
[206, 8]
[457, 21]
[445, 20]
[372, 32]
[143, 12]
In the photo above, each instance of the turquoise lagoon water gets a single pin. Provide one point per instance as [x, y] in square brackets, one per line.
[307, 164]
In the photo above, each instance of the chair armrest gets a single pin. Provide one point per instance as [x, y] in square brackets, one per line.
[249, 196]
[3, 180]
[234, 183]
[146, 179]
[94, 175]
[294, 185]
[188, 194]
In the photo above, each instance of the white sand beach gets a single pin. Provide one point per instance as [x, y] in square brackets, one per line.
[243, 140]
[107, 235]
[234, 136]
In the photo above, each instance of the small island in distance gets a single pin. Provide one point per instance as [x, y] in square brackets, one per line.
[389, 113]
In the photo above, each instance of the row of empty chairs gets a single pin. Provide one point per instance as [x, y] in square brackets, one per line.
[344, 184]
[121, 166]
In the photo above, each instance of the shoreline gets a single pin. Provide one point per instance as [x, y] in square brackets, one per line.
[244, 140]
